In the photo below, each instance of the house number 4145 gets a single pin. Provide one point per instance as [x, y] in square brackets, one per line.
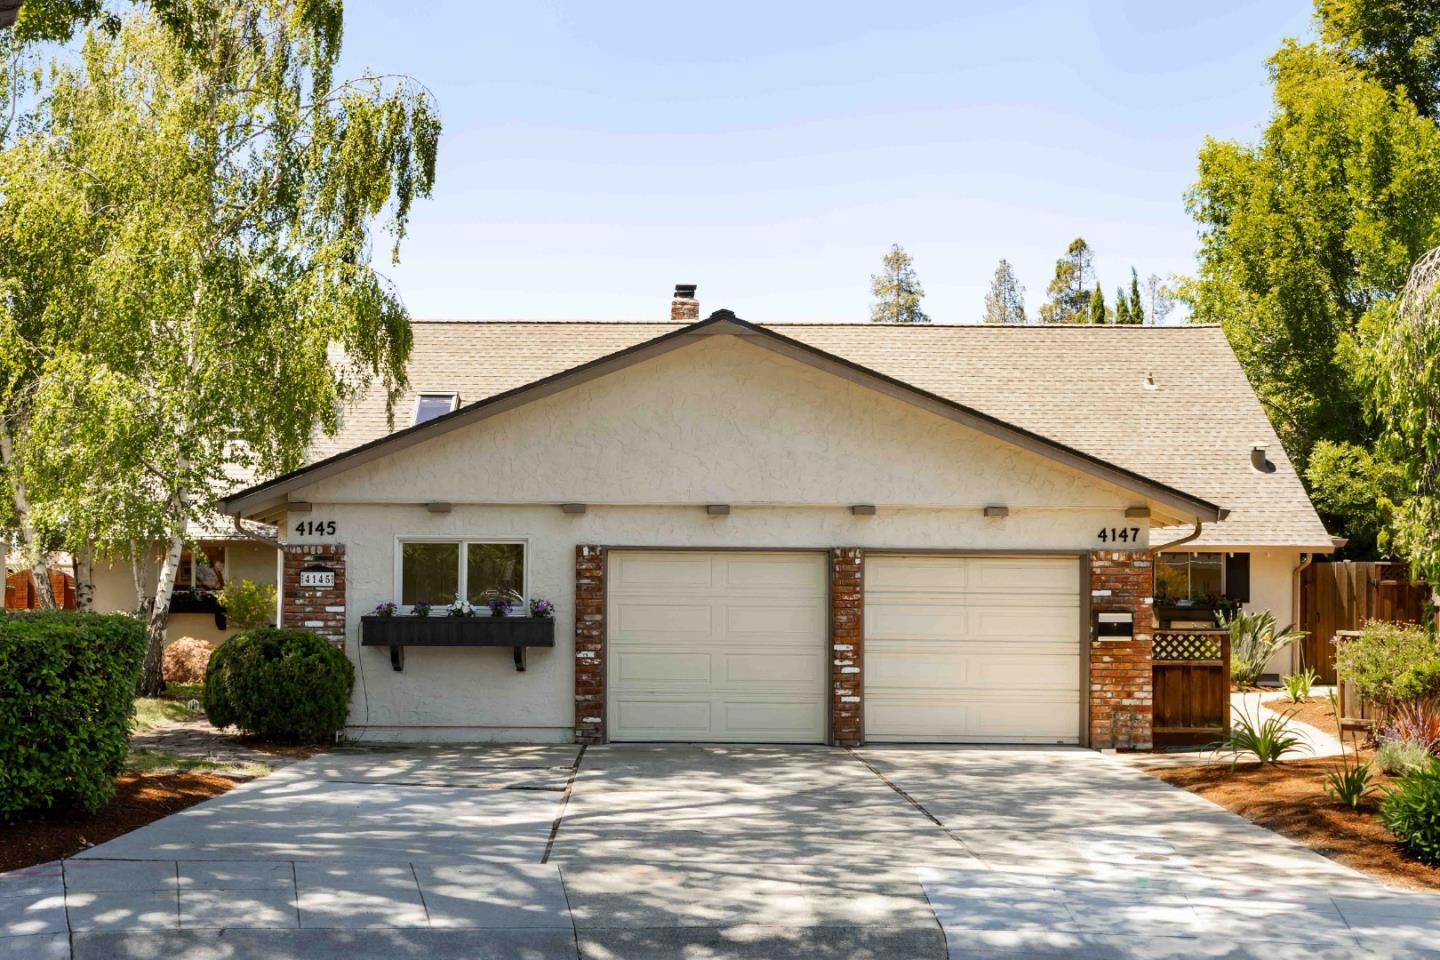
[1119, 535]
[315, 528]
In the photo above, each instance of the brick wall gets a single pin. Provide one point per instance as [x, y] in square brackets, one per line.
[847, 640]
[589, 644]
[321, 609]
[1121, 697]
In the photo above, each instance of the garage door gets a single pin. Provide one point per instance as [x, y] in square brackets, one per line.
[716, 646]
[979, 649]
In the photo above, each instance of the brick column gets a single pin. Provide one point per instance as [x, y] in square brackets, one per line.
[847, 642]
[318, 609]
[589, 644]
[1121, 695]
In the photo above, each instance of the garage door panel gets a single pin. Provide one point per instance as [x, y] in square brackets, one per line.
[637, 572]
[752, 668]
[642, 619]
[755, 668]
[641, 668]
[997, 659]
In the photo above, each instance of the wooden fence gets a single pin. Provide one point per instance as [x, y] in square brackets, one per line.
[20, 591]
[1343, 595]
[1190, 671]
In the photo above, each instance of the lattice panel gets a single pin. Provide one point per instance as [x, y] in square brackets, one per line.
[1187, 645]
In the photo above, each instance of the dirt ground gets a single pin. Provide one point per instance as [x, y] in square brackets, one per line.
[139, 799]
[1289, 798]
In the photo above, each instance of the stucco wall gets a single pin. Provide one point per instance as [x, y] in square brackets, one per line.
[1272, 588]
[789, 447]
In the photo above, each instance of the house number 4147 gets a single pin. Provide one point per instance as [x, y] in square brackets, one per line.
[1119, 535]
[315, 528]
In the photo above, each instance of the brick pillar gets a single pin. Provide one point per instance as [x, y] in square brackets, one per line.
[847, 641]
[318, 609]
[589, 644]
[1121, 695]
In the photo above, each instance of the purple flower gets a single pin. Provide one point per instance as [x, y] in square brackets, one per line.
[499, 606]
[540, 607]
[421, 608]
[386, 609]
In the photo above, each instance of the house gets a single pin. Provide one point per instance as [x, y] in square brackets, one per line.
[787, 532]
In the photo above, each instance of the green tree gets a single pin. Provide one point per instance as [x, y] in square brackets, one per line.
[1098, 314]
[1135, 310]
[1355, 492]
[1005, 301]
[1159, 300]
[212, 297]
[1068, 295]
[1402, 372]
[1306, 230]
[1122, 307]
[897, 290]
[1395, 41]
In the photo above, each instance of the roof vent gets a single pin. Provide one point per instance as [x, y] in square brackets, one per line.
[1150, 380]
[684, 308]
[1259, 458]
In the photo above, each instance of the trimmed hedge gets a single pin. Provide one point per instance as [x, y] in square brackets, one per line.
[67, 691]
[279, 684]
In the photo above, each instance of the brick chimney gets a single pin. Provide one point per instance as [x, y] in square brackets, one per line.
[685, 308]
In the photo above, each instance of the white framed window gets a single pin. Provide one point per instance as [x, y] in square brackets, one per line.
[1187, 578]
[439, 570]
[428, 406]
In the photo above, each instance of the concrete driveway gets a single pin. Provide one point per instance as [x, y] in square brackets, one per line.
[705, 851]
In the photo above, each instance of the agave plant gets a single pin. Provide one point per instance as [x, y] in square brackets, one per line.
[1253, 641]
[1268, 739]
[1297, 685]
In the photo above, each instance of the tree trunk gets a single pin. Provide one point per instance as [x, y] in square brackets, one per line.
[85, 574]
[33, 549]
[152, 677]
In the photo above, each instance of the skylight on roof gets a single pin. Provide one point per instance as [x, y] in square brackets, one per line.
[428, 406]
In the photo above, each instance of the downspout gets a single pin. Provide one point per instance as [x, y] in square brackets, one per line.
[1295, 604]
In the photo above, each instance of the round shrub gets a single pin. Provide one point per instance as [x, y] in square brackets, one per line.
[67, 690]
[185, 660]
[279, 684]
[1411, 811]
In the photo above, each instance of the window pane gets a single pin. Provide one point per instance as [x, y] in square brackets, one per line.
[432, 405]
[1172, 577]
[429, 571]
[496, 569]
[1205, 575]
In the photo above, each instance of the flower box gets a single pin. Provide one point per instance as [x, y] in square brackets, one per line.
[397, 633]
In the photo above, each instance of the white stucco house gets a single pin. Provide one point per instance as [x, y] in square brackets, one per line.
[787, 532]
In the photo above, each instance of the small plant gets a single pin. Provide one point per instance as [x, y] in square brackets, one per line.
[386, 609]
[461, 608]
[1297, 685]
[1411, 811]
[1347, 784]
[1268, 740]
[499, 606]
[421, 608]
[1253, 641]
[1417, 721]
[542, 608]
[247, 605]
[1396, 758]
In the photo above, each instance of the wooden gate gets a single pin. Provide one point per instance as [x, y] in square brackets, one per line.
[1190, 673]
[1343, 595]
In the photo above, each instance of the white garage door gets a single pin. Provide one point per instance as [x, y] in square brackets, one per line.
[979, 649]
[717, 646]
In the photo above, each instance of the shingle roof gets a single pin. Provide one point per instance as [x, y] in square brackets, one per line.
[1170, 403]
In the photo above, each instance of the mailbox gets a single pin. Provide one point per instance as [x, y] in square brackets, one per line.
[1114, 623]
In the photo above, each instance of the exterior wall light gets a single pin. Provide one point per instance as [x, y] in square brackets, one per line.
[997, 512]
[438, 506]
[1137, 513]
[863, 509]
[572, 508]
[718, 509]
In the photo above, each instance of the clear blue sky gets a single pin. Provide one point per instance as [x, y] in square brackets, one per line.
[595, 154]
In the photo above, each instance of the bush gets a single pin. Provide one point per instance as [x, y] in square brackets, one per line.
[1399, 757]
[1390, 663]
[1297, 685]
[185, 660]
[1411, 811]
[248, 606]
[1253, 641]
[67, 688]
[279, 684]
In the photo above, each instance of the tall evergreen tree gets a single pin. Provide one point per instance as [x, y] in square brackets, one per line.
[1122, 307]
[1069, 291]
[897, 290]
[1005, 303]
[1136, 311]
[1097, 306]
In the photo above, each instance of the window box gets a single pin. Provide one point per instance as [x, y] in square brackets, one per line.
[397, 633]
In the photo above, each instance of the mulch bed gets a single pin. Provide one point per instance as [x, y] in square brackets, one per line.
[140, 798]
[1314, 711]
[1289, 798]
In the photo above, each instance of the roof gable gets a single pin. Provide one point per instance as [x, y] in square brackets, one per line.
[262, 499]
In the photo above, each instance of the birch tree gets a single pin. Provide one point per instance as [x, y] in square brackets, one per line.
[235, 185]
